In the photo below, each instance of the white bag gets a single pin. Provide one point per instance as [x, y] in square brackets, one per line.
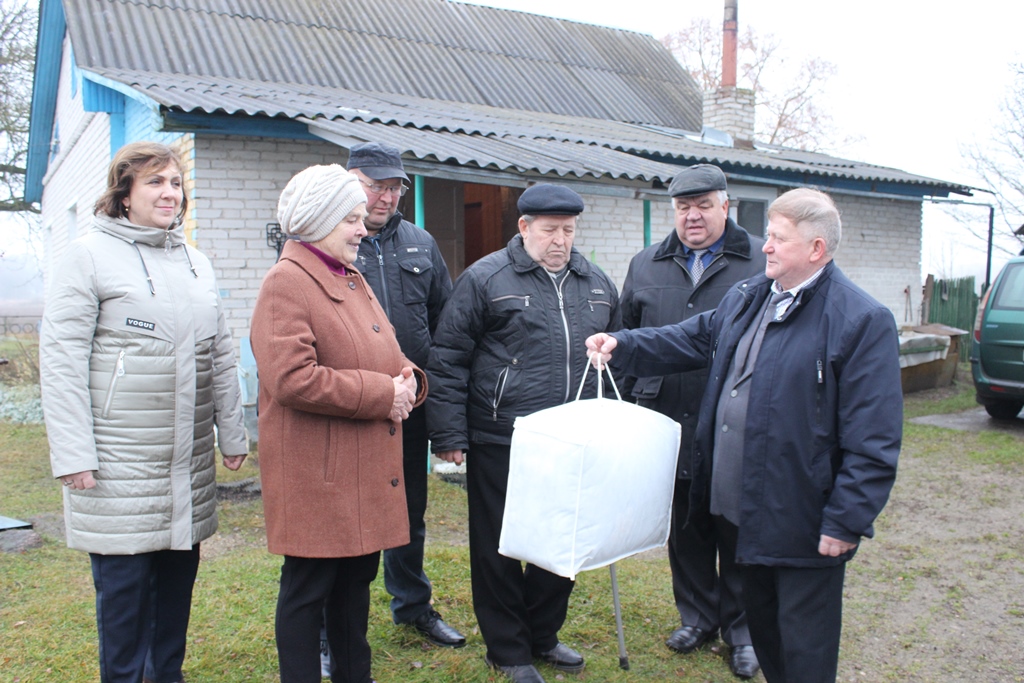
[590, 482]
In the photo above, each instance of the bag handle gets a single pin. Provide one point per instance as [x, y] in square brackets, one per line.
[600, 379]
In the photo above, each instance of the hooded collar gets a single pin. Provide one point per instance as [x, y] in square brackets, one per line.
[124, 229]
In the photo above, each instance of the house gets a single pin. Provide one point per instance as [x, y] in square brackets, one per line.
[481, 101]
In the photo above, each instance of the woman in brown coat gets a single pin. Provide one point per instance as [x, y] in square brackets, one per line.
[334, 388]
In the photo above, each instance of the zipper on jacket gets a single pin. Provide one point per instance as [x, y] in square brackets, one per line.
[598, 302]
[818, 398]
[118, 372]
[568, 340]
[383, 294]
[499, 391]
[525, 298]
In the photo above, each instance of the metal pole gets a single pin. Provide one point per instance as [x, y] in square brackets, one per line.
[991, 232]
[623, 657]
[647, 222]
[420, 219]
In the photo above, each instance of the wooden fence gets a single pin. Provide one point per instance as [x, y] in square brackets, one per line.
[955, 303]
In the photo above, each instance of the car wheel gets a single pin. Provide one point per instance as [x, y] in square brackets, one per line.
[1005, 410]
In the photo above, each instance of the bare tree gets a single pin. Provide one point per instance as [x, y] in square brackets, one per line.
[785, 109]
[1000, 164]
[17, 60]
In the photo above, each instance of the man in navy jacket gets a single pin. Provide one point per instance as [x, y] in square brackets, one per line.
[799, 429]
[664, 285]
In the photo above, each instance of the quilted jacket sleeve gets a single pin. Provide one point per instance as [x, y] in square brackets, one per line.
[65, 345]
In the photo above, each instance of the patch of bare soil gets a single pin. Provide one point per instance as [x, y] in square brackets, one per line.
[939, 594]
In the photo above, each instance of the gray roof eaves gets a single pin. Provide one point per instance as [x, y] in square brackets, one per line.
[190, 93]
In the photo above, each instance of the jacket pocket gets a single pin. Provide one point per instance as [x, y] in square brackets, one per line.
[330, 457]
[499, 391]
[647, 388]
[416, 273]
[115, 377]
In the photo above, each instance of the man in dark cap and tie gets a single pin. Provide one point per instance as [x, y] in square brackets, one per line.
[686, 274]
[510, 343]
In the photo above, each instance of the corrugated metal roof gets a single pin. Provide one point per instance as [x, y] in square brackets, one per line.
[490, 137]
[431, 49]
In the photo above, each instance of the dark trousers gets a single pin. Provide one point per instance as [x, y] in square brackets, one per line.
[142, 609]
[519, 611]
[313, 589]
[706, 581]
[796, 617]
[404, 577]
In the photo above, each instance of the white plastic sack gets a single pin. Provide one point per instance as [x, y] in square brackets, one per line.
[590, 482]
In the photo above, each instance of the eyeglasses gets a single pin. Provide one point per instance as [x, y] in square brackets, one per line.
[378, 188]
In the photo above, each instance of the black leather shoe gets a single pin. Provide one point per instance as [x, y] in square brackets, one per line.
[526, 673]
[436, 631]
[690, 638]
[743, 662]
[563, 658]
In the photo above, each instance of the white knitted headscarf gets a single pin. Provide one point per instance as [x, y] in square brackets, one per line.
[315, 200]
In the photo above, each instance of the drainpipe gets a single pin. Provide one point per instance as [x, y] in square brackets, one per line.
[417, 183]
[991, 228]
[647, 222]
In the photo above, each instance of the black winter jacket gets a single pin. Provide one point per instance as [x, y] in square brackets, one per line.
[659, 291]
[510, 343]
[411, 281]
[824, 421]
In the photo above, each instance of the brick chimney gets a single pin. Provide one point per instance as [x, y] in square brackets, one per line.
[731, 109]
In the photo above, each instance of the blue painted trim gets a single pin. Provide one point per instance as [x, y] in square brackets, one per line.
[117, 132]
[97, 97]
[121, 88]
[52, 26]
[910, 190]
[224, 124]
[75, 76]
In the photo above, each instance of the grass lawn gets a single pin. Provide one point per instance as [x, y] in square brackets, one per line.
[900, 595]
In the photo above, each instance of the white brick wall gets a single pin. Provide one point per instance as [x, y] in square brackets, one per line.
[611, 231]
[237, 184]
[881, 250]
[730, 110]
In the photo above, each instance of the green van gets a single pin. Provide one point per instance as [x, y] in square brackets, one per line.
[997, 349]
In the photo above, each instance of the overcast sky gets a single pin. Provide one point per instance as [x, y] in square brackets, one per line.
[917, 79]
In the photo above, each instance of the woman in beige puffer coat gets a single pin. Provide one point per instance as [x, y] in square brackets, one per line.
[137, 367]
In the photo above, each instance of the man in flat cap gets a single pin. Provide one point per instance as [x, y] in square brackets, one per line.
[510, 343]
[686, 274]
[405, 270]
